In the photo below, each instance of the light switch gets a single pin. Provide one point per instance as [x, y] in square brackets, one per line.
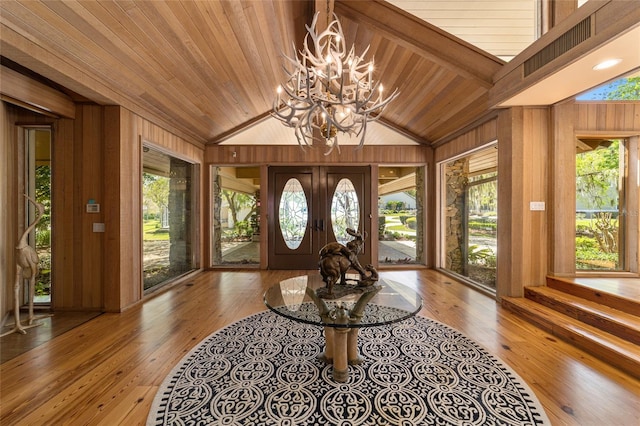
[98, 227]
[536, 205]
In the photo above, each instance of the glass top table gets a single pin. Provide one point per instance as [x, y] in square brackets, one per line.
[342, 313]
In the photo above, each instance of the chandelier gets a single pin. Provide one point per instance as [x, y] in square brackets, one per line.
[329, 89]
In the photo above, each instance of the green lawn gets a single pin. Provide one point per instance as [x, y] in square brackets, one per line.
[151, 231]
[393, 224]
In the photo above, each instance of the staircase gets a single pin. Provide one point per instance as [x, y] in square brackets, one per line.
[603, 324]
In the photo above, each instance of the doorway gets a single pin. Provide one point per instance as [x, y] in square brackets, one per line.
[310, 206]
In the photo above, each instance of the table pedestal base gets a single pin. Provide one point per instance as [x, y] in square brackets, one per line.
[341, 350]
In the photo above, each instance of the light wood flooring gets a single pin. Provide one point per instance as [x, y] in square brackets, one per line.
[624, 287]
[106, 371]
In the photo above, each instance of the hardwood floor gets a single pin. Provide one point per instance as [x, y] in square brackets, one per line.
[624, 287]
[48, 328]
[107, 370]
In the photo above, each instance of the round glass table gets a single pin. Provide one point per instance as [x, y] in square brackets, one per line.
[342, 313]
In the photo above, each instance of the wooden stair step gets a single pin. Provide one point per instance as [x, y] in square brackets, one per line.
[615, 351]
[621, 303]
[614, 321]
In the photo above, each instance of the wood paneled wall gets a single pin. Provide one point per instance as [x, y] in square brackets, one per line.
[287, 154]
[8, 218]
[563, 192]
[483, 134]
[523, 135]
[77, 252]
[124, 133]
[598, 118]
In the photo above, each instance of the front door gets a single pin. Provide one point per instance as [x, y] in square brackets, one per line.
[310, 206]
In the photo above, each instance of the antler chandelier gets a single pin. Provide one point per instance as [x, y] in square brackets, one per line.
[329, 89]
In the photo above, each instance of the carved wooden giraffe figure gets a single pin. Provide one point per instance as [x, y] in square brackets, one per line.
[26, 267]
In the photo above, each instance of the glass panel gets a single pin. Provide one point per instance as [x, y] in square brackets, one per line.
[622, 89]
[470, 217]
[482, 228]
[600, 163]
[293, 213]
[400, 207]
[38, 181]
[168, 205]
[236, 215]
[345, 210]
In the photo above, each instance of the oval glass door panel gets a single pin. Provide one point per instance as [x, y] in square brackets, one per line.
[293, 213]
[345, 210]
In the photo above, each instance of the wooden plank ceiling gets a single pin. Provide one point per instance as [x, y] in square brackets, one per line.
[208, 69]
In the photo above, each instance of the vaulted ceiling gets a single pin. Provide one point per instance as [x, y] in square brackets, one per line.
[209, 69]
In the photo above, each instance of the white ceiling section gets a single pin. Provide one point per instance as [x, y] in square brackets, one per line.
[272, 132]
[503, 28]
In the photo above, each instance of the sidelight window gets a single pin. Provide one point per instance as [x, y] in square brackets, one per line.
[38, 187]
[235, 216]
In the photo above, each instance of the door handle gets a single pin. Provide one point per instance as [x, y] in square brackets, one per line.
[318, 224]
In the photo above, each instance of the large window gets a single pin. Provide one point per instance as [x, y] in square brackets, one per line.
[400, 215]
[601, 165]
[469, 211]
[169, 217]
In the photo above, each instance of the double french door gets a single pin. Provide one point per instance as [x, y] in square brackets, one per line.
[310, 206]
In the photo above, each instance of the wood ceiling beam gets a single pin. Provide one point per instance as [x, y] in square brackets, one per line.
[423, 38]
[325, 10]
[35, 95]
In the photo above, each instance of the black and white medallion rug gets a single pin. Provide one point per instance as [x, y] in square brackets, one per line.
[264, 370]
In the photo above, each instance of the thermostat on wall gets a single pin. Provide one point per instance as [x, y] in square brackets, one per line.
[93, 208]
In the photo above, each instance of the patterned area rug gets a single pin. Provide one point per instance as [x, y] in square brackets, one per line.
[263, 370]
